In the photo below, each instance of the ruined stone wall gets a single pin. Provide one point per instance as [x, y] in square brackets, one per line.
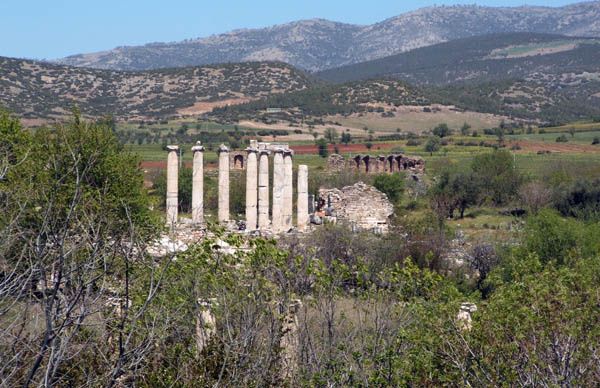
[379, 164]
[361, 206]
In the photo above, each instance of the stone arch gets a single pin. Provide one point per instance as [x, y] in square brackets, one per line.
[357, 162]
[381, 167]
[366, 159]
[398, 159]
[390, 160]
[238, 161]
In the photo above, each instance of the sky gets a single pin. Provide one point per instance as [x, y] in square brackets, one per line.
[49, 29]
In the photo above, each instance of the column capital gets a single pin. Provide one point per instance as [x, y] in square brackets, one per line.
[172, 148]
[223, 148]
[198, 147]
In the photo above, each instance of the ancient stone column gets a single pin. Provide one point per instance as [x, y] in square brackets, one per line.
[278, 187]
[288, 190]
[290, 341]
[198, 184]
[172, 184]
[206, 326]
[263, 187]
[252, 186]
[223, 213]
[302, 215]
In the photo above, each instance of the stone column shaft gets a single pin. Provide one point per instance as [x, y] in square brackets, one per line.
[172, 184]
[288, 191]
[198, 184]
[252, 187]
[263, 190]
[278, 187]
[223, 213]
[302, 215]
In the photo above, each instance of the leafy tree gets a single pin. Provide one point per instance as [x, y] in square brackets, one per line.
[74, 219]
[432, 145]
[331, 134]
[497, 175]
[442, 130]
[322, 148]
[454, 191]
[346, 138]
[390, 184]
[464, 130]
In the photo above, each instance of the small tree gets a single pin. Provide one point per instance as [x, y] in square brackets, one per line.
[464, 130]
[331, 134]
[432, 145]
[346, 138]
[442, 130]
[322, 147]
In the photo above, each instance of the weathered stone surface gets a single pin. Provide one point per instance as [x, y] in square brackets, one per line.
[263, 186]
[302, 211]
[252, 186]
[172, 184]
[288, 190]
[464, 319]
[223, 212]
[360, 206]
[278, 188]
[198, 184]
[336, 162]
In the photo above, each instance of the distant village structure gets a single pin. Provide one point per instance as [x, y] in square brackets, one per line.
[256, 163]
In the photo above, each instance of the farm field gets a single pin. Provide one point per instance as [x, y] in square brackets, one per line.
[418, 121]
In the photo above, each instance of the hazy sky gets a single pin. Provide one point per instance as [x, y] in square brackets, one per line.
[56, 28]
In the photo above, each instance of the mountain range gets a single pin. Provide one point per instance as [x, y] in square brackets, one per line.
[322, 44]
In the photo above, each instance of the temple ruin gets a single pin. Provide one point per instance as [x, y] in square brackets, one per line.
[255, 161]
[379, 164]
[360, 206]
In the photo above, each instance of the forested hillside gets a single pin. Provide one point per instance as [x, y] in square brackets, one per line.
[42, 90]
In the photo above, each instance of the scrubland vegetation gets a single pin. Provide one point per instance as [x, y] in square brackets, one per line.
[83, 304]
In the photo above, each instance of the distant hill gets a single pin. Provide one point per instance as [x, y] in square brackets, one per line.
[549, 78]
[480, 59]
[321, 44]
[40, 90]
[323, 100]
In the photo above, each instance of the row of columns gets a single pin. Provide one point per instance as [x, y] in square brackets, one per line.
[257, 187]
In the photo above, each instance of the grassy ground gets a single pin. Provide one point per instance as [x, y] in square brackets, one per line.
[418, 122]
[580, 136]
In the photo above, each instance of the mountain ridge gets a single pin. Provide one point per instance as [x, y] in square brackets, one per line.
[318, 44]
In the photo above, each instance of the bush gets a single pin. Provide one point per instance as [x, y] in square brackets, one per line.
[582, 200]
[390, 184]
[442, 130]
[562, 139]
